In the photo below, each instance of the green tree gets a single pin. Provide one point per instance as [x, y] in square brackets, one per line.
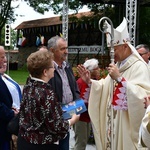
[54, 5]
[6, 16]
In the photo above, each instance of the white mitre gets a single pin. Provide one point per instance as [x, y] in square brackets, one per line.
[121, 36]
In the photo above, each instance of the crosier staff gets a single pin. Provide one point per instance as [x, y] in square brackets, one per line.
[105, 19]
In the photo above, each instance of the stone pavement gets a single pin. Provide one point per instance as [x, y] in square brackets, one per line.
[88, 147]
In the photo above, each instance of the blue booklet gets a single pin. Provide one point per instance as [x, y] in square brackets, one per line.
[74, 107]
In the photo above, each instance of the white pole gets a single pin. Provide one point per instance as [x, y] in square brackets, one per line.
[8, 63]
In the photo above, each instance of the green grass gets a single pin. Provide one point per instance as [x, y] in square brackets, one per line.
[20, 75]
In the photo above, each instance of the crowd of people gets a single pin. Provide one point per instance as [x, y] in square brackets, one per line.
[118, 107]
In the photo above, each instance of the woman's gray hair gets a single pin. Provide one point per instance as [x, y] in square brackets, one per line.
[91, 64]
[52, 42]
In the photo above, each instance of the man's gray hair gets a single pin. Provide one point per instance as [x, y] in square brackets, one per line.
[143, 46]
[52, 42]
[91, 64]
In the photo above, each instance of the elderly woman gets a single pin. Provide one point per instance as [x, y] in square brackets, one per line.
[41, 120]
[83, 127]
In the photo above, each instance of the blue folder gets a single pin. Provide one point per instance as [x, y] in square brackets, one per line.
[74, 107]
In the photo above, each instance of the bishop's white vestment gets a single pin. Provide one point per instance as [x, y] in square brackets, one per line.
[126, 122]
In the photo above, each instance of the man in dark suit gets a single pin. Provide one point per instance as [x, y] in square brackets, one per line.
[6, 111]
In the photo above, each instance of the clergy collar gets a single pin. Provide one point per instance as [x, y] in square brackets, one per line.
[123, 62]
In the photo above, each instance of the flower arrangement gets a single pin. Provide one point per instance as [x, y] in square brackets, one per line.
[75, 72]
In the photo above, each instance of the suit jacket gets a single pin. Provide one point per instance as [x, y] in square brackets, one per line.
[56, 83]
[6, 113]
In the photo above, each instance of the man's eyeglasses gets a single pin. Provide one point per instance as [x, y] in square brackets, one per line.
[141, 54]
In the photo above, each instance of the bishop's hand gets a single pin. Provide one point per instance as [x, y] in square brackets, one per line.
[84, 74]
[113, 71]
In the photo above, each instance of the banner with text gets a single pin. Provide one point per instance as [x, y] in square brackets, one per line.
[94, 49]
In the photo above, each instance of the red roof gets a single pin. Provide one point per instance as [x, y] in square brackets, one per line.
[48, 21]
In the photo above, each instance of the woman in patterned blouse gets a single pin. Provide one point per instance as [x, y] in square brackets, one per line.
[41, 121]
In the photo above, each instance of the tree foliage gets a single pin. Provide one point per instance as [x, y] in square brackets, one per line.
[55, 5]
[6, 12]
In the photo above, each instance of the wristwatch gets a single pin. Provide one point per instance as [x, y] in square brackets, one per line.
[119, 79]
